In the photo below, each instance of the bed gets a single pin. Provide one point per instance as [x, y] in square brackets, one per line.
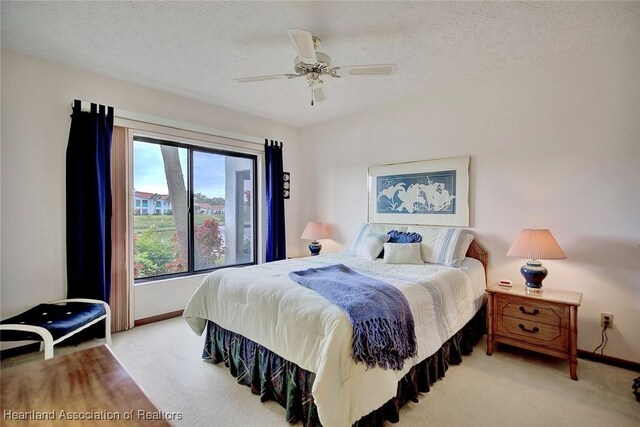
[291, 345]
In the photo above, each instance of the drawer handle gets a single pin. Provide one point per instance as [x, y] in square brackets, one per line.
[530, 313]
[533, 331]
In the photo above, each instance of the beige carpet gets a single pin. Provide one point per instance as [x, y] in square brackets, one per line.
[510, 388]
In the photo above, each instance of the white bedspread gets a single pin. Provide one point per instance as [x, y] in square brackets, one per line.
[261, 303]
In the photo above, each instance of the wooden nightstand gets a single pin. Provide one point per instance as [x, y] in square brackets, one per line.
[546, 322]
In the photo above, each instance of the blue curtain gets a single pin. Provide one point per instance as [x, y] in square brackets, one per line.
[276, 242]
[89, 203]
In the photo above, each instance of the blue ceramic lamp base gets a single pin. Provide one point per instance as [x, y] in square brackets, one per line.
[533, 273]
[315, 248]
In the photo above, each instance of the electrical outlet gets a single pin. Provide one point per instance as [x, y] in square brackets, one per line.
[606, 316]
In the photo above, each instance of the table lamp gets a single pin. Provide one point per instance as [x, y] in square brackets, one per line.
[535, 244]
[314, 231]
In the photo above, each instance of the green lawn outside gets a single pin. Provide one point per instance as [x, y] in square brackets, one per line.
[164, 225]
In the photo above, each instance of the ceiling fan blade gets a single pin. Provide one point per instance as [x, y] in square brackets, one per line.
[318, 93]
[263, 78]
[303, 42]
[367, 70]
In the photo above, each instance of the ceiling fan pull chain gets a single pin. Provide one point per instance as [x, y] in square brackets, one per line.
[311, 95]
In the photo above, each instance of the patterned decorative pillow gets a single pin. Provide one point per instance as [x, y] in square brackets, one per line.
[371, 246]
[446, 246]
[451, 246]
[368, 228]
[402, 253]
[465, 246]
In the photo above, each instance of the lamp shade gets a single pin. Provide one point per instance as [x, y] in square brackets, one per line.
[314, 231]
[536, 244]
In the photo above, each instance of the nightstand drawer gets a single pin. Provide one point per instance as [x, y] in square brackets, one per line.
[532, 332]
[526, 309]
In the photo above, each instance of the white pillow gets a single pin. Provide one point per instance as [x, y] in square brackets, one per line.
[402, 253]
[369, 228]
[371, 246]
[430, 237]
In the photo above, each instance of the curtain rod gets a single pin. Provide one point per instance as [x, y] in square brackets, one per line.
[176, 124]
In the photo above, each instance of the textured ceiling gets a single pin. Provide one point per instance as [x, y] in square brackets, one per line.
[195, 48]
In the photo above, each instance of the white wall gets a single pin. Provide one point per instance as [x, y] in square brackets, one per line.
[36, 100]
[554, 145]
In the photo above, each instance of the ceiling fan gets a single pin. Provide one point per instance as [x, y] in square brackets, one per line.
[314, 65]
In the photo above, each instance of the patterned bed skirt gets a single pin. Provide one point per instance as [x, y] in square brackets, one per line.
[275, 378]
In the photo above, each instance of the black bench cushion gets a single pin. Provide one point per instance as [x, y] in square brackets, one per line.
[58, 319]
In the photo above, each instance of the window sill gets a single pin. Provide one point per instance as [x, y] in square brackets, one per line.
[172, 279]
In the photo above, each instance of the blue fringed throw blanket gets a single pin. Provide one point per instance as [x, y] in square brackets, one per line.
[383, 327]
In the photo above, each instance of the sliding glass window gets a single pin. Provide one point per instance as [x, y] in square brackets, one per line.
[195, 209]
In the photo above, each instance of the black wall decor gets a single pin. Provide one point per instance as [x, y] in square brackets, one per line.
[286, 185]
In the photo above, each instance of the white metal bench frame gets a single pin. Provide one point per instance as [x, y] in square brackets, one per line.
[47, 339]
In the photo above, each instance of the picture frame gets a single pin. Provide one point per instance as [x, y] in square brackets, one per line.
[428, 192]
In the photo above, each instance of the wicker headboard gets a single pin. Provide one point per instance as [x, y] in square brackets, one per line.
[480, 253]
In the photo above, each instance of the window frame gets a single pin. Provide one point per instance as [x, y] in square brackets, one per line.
[179, 142]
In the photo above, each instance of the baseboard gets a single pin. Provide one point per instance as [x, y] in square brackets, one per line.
[608, 360]
[159, 317]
